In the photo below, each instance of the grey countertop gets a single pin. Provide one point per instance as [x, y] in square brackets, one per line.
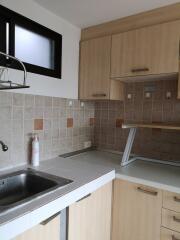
[79, 170]
[158, 175]
[88, 166]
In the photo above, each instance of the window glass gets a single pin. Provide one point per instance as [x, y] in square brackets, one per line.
[33, 48]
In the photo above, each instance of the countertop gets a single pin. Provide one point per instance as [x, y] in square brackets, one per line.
[152, 174]
[87, 176]
[89, 171]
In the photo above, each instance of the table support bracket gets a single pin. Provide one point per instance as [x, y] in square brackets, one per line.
[126, 155]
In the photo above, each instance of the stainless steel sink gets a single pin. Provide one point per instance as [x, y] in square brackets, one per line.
[23, 186]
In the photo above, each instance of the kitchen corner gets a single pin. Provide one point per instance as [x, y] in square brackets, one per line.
[89, 137]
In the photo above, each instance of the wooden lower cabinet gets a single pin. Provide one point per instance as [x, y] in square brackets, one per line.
[136, 212]
[167, 234]
[90, 218]
[50, 231]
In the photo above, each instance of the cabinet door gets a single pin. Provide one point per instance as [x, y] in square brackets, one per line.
[146, 51]
[95, 68]
[49, 231]
[167, 234]
[90, 219]
[136, 212]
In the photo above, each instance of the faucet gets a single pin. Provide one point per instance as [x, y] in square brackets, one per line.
[4, 146]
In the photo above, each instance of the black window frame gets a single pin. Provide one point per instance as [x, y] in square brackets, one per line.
[13, 18]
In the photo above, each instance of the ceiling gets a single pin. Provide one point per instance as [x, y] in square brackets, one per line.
[84, 13]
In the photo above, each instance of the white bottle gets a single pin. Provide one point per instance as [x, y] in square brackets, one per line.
[35, 151]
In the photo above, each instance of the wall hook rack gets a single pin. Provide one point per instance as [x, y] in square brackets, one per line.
[7, 84]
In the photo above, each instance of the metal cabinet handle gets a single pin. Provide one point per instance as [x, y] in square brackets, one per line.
[99, 95]
[176, 199]
[176, 219]
[134, 70]
[84, 198]
[174, 238]
[153, 193]
[45, 222]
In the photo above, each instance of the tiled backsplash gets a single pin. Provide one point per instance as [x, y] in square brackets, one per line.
[144, 102]
[62, 128]
[64, 125]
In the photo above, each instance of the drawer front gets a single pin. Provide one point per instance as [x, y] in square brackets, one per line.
[171, 220]
[171, 201]
[167, 234]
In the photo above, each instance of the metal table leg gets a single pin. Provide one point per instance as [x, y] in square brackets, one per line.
[126, 155]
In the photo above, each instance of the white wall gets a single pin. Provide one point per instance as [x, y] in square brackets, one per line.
[41, 85]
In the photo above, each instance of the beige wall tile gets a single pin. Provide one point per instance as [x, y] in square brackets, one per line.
[23, 115]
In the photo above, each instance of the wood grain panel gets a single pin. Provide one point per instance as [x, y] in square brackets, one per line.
[154, 49]
[167, 234]
[173, 126]
[95, 69]
[90, 219]
[171, 201]
[136, 214]
[171, 220]
[179, 82]
[153, 17]
[50, 231]
[116, 90]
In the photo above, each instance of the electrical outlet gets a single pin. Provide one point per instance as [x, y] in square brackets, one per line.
[147, 94]
[70, 103]
[168, 95]
[87, 144]
[82, 104]
[129, 96]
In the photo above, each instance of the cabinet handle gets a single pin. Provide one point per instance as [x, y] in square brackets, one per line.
[176, 219]
[153, 193]
[139, 70]
[176, 199]
[99, 95]
[45, 222]
[174, 238]
[84, 198]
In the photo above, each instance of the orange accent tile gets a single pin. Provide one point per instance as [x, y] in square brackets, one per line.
[119, 122]
[38, 124]
[69, 122]
[91, 121]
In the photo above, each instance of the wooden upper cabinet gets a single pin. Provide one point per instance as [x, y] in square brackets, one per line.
[94, 76]
[147, 51]
[136, 212]
[95, 68]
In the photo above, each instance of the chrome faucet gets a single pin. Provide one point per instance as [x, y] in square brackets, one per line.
[4, 146]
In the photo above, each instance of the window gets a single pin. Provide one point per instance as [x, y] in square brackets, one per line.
[37, 46]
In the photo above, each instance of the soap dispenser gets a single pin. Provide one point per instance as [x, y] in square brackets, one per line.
[35, 151]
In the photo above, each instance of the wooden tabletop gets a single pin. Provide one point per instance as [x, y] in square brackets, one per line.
[172, 126]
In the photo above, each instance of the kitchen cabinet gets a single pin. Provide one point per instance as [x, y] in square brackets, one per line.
[50, 230]
[167, 234]
[179, 82]
[171, 220]
[171, 213]
[90, 218]
[171, 201]
[146, 51]
[94, 76]
[136, 212]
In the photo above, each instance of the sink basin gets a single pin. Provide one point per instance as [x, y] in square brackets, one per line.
[23, 186]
